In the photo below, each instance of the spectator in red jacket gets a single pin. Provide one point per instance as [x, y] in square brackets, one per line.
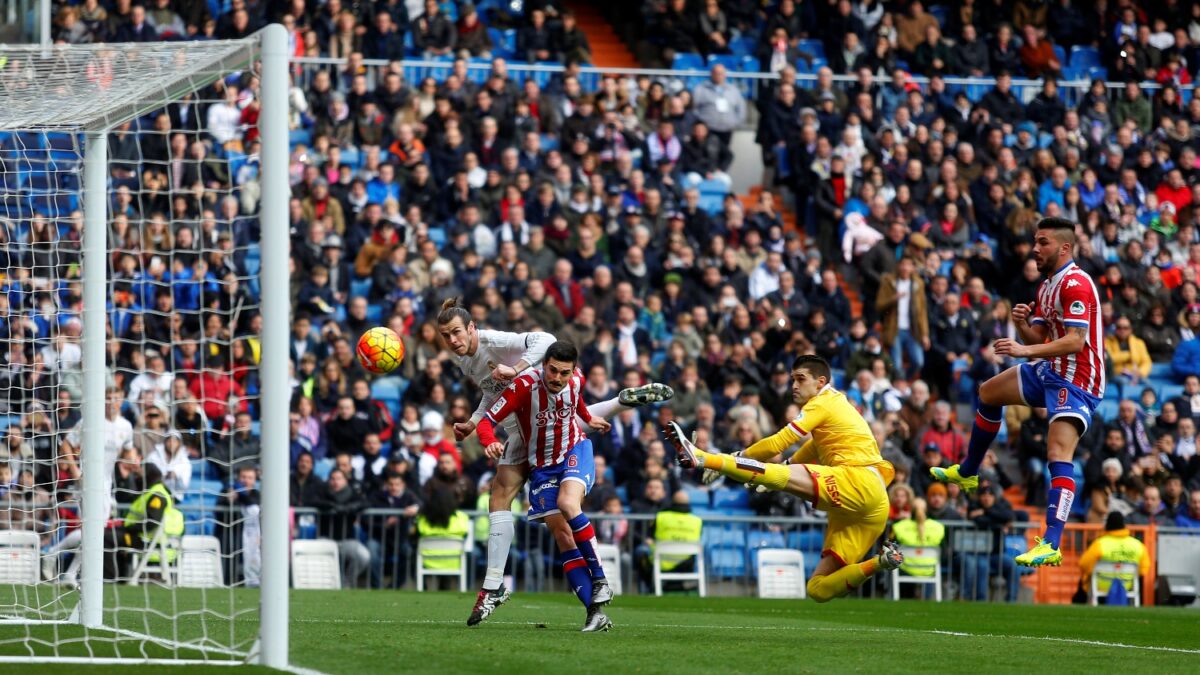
[564, 290]
[941, 432]
[1174, 189]
[214, 386]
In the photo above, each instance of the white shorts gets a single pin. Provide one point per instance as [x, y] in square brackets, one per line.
[515, 452]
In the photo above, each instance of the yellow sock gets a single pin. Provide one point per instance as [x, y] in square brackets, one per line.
[743, 470]
[829, 586]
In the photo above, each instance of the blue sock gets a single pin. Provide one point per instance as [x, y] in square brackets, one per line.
[585, 539]
[1062, 494]
[987, 425]
[578, 576]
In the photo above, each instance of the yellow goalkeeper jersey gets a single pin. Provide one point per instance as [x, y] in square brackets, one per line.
[840, 435]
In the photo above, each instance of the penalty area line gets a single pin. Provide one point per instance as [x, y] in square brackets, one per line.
[1076, 641]
[813, 629]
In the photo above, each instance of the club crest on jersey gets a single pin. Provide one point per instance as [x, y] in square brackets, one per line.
[495, 409]
[1076, 307]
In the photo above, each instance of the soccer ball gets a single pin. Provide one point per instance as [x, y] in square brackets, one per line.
[380, 350]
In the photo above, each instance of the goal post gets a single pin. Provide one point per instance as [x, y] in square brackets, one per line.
[94, 233]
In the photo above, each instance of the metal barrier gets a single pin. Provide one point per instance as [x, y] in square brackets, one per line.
[416, 70]
[977, 564]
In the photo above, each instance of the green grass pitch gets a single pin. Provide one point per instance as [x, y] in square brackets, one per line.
[390, 632]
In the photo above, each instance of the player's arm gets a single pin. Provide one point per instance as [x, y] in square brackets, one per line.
[533, 348]
[516, 395]
[768, 449]
[1029, 323]
[594, 422]
[798, 430]
[1071, 343]
[1078, 305]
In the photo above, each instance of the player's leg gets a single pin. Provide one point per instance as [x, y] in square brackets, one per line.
[577, 480]
[510, 477]
[574, 567]
[794, 479]
[1007, 388]
[1061, 441]
[632, 397]
[833, 577]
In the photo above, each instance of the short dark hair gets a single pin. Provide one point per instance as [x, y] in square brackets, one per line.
[562, 350]
[1063, 228]
[814, 364]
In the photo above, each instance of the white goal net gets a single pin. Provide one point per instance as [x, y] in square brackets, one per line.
[133, 195]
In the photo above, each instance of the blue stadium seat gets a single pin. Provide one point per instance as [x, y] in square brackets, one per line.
[712, 203]
[941, 13]
[743, 46]
[713, 187]
[687, 61]
[731, 498]
[500, 46]
[808, 541]
[322, 467]
[1060, 54]
[478, 75]
[542, 77]
[360, 288]
[1083, 56]
[1107, 409]
[750, 64]
[726, 562]
[1097, 73]
[300, 137]
[814, 47]
[723, 534]
[730, 61]
[389, 391]
[1161, 370]
[1170, 391]
[698, 496]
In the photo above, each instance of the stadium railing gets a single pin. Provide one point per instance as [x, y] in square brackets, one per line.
[1070, 90]
[731, 543]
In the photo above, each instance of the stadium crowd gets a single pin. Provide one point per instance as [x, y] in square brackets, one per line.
[580, 213]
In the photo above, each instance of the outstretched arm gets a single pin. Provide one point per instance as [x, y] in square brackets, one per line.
[1071, 343]
[769, 448]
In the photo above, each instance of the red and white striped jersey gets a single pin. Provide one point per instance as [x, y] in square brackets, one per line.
[1069, 299]
[545, 421]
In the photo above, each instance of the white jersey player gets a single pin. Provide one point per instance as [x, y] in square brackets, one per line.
[493, 359]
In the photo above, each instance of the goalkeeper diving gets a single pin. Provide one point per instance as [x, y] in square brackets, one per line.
[838, 468]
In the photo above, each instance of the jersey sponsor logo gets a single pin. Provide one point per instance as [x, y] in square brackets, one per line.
[547, 417]
[1076, 307]
[831, 489]
[497, 406]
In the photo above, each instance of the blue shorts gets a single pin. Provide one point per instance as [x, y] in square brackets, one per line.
[1041, 387]
[544, 481]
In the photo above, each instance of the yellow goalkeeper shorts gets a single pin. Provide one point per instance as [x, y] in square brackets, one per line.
[855, 499]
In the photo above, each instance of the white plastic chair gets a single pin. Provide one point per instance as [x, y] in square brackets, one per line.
[781, 573]
[20, 560]
[1111, 570]
[316, 565]
[447, 548]
[934, 552]
[681, 549]
[199, 562]
[161, 547]
[610, 560]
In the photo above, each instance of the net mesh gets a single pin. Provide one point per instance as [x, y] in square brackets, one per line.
[183, 348]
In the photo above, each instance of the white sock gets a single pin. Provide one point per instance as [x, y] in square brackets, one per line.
[500, 536]
[70, 541]
[607, 409]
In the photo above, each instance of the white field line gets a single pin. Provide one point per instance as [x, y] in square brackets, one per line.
[814, 629]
